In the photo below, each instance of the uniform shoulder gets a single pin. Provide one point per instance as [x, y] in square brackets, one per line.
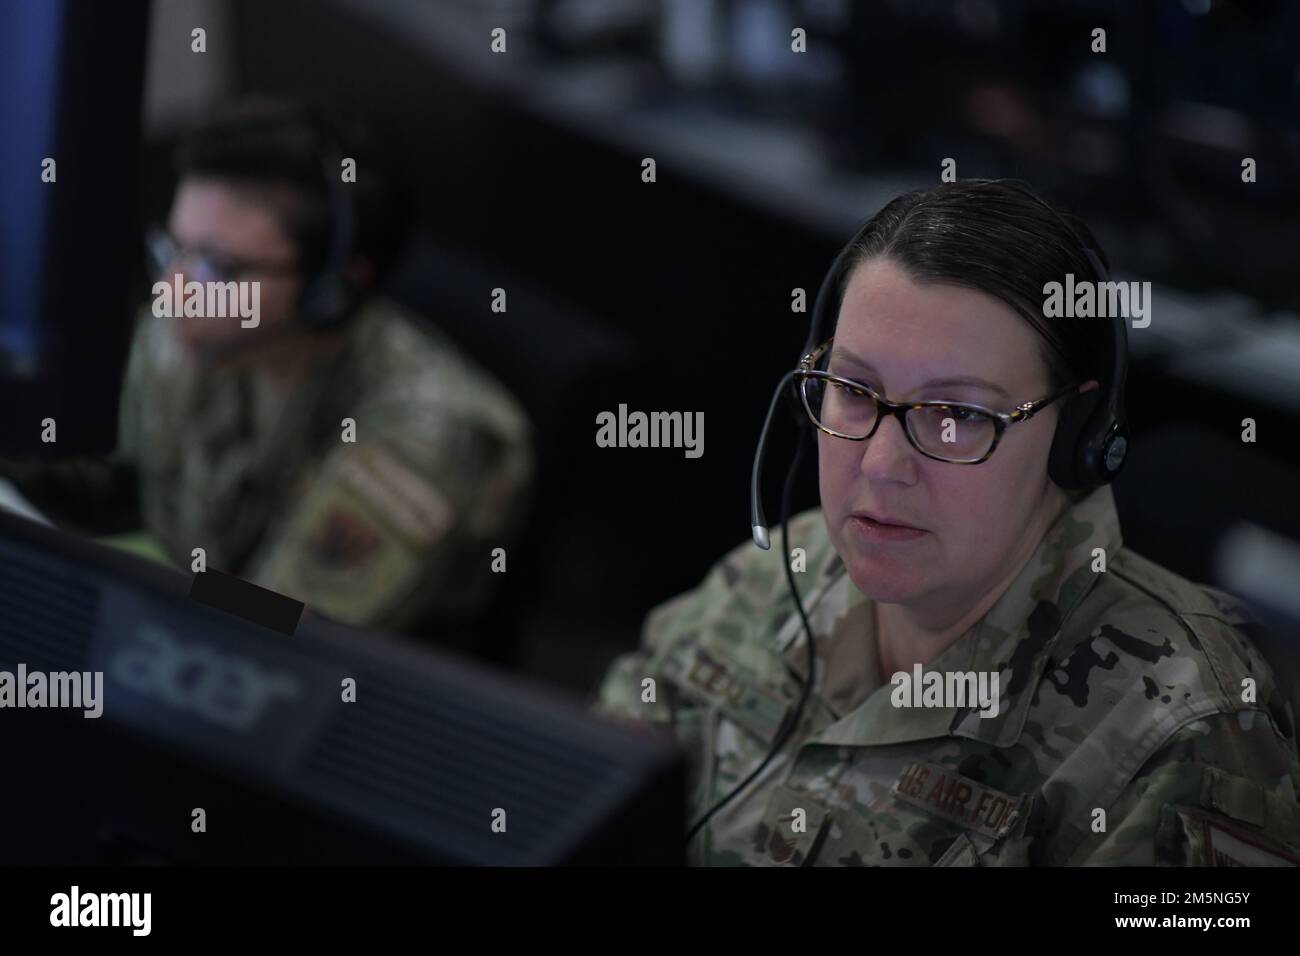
[1148, 652]
[1155, 685]
[1199, 621]
[1145, 614]
[153, 344]
[411, 368]
[746, 589]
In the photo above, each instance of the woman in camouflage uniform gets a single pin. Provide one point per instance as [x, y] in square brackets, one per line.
[996, 679]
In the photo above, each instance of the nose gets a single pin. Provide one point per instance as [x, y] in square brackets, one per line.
[888, 455]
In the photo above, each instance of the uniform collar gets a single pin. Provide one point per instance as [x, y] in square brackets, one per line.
[1015, 638]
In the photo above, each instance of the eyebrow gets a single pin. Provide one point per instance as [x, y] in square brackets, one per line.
[952, 380]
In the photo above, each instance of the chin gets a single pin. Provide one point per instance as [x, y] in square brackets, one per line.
[883, 579]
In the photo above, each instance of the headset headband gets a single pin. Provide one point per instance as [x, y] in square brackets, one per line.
[329, 295]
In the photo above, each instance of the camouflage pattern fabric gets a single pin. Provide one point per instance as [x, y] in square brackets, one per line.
[1127, 733]
[380, 531]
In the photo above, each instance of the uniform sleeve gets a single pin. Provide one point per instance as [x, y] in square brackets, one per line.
[636, 687]
[392, 528]
[735, 602]
[96, 495]
[1222, 791]
[621, 690]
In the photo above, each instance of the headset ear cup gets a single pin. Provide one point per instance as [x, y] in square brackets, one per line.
[1067, 463]
[307, 311]
[326, 301]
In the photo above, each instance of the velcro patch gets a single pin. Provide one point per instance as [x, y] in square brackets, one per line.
[971, 805]
[1227, 845]
[757, 709]
[792, 827]
[336, 557]
[1227, 849]
[408, 502]
[1234, 796]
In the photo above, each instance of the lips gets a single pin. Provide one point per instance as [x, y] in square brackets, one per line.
[885, 520]
[875, 533]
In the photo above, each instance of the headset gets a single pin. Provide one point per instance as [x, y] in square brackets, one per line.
[1088, 449]
[329, 296]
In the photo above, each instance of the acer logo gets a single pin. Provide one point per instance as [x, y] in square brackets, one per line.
[225, 689]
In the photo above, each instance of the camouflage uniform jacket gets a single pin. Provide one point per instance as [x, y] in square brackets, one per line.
[1126, 732]
[381, 530]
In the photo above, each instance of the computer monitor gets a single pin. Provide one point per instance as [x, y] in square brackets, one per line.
[435, 761]
[71, 78]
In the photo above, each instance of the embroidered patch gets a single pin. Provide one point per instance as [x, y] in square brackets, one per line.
[757, 709]
[338, 558]
[792, 827]
[969, 804]
[1228, 846]
[343, 540]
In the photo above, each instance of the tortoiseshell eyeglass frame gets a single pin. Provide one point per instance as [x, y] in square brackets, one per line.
[1022, 413]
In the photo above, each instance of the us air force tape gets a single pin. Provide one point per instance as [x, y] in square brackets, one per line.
[945, 793]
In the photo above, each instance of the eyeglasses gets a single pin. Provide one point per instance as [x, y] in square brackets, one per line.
[207, 265]
[957, 432]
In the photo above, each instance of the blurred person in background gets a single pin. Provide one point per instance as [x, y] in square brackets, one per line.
[339, 451]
